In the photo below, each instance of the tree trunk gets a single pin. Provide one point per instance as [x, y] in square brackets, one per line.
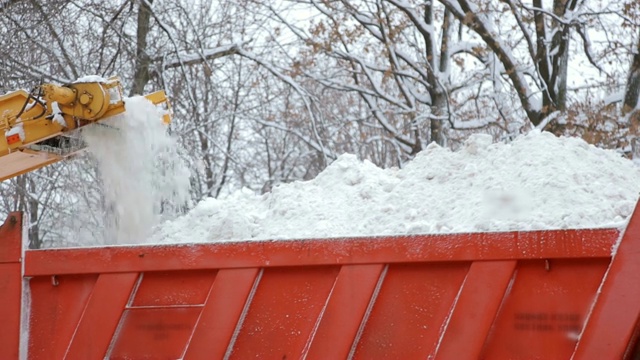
[561, 82]
[141, 76]
[439, 110]
[632, 91]
[553, 59]
[28, 205]
[35, 242]
[467, 16]
[560, 42]
[438, 64]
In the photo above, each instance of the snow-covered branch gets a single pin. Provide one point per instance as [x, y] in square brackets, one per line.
[187, 58]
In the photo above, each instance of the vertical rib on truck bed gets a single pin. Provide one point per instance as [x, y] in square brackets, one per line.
[515, 295]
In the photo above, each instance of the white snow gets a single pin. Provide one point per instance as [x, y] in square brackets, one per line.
[115, 95]
[57, 114]
[91, 78]
[190, 57]
[143, 177]
[538, 181]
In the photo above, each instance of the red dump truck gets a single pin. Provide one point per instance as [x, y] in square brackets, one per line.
[557, 294]
[511, 295]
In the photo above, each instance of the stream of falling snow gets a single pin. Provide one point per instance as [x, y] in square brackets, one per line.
[144, 179]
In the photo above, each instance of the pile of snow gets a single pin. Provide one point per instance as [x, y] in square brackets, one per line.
[536, 182]
[143, 177]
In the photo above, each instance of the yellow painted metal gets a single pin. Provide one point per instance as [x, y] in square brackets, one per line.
[157, 98]
[24, 161]
[59, 111]
[60, 94]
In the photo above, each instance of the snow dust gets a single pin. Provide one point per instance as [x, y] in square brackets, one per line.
[536, 182]
[144, 179]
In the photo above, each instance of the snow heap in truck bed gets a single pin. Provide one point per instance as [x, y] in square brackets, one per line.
[536, 182]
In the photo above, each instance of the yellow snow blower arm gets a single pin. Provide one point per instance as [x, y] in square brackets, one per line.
[39, 128]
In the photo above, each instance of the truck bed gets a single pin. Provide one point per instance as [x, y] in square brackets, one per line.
[543, 294]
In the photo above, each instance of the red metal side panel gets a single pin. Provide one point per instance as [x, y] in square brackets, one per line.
[410, 311]
[353, 292]
[381, 250]
[546, 306]
[10, 286]
[505, 295]
[168, 288]
[283, 312]
[10, 304]
[98, 323]
[480, 298]
[154, 333]
[161, 314]
[57, 304]
[615, 317]
[11, 239]
[221, 314]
